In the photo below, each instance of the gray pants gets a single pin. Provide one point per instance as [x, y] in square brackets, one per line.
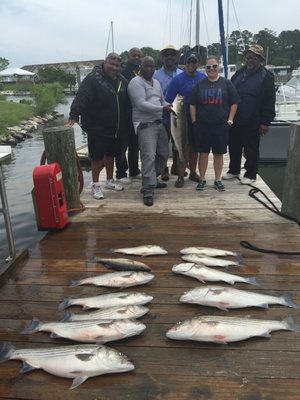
[154, 152]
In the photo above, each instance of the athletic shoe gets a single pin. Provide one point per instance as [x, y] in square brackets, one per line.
[194, 177]
[247, 181]
[111, 184]
[179, 182]
[218, 185]
[161, 185]
[229, 176]
[201, 184]
[148, 200]
[96, 191]
[126, 179]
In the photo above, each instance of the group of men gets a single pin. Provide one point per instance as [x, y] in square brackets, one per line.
[125, 111]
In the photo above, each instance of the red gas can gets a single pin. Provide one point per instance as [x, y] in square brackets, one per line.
[50, 201]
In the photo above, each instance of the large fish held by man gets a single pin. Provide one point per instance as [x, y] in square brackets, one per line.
[179, 129]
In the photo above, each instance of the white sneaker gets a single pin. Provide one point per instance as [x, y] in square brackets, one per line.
[111, 184]
[228, 176]
[96, 191]
[247, 181]
[126, 179]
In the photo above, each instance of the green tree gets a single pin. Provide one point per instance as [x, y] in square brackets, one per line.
[52, 75]
[4, 63]
[269, 41]
[46, 96]
[289, 47]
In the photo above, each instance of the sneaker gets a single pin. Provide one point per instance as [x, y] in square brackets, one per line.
[138, 176]
[228, 176]
[126, 179]
[96, 191]
[111, 184]
[201, 184]
[179, 182]
[218, 185]
[194, 177]
[165, 175]
[148, 200]
[247, 181]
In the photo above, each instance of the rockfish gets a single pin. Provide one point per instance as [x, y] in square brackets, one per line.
[108, 300]
[179, 129]
[147, 250]
[204, 274]
[125, 312]
[88, 331]
[227, 329]
[122, 279]
[227, 297]
[122, 264]
[76, 362]
[211, 252]
[209, 261]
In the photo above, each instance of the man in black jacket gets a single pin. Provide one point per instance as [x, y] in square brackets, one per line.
[102, 108]
[256, 110]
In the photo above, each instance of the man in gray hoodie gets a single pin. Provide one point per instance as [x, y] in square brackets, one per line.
[148, 104]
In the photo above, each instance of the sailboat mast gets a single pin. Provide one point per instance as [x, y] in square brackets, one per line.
[197, 24]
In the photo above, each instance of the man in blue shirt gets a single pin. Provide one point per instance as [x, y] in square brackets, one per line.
[182, 85]
[164, 75]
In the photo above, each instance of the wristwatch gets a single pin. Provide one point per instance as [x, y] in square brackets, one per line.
[230, 122]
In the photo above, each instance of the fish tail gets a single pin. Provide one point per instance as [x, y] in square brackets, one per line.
[68, 316]
[74, 282]
[112, 250]
[64, 304]
[6, 351]
[287, 301]
[240, 258]
[252, 281]
[32, 327]
[290, 324]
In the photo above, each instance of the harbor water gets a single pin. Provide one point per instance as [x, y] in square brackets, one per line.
[19, 184]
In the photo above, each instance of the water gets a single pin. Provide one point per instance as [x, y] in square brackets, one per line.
[19, 184]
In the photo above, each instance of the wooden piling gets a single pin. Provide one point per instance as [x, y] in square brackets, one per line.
[291, 187]
[60, 147]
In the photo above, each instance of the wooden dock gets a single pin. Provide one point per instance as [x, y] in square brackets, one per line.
[254, 369]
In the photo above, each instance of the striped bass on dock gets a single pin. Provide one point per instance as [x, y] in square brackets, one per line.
[121, 279]
[209, 261]
[122, 264]
[144, 251]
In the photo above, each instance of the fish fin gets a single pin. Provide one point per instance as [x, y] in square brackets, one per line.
[222, 306]
[219, 339]
[252, 281]
[68, 316]
[78, 381]
[240, 258]
[265, 334]
[263, 305]
[287, 301]
[64, 304]
[74, 282]
[26, 367]
[290, 324]
[54, 335]
[6, 351]
[33, 327]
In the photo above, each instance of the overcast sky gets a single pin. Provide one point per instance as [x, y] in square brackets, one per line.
[46, 31]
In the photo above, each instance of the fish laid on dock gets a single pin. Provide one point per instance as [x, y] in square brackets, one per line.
[227, 329]
[108, 300]
[146, 250]
[125, 312]
[88, 331]
[122, 264]
[122, 279]
[76, 362]
[205, 274]
[227, 297]
[209, 261]
[210, 251]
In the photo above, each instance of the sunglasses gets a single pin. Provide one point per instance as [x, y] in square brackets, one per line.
[214, 66]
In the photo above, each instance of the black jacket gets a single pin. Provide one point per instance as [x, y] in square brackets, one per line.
[265, 105]
[102, 105]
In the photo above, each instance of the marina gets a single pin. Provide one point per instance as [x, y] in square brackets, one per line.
[257, 368]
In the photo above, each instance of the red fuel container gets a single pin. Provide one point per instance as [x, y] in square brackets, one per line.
[49, 194]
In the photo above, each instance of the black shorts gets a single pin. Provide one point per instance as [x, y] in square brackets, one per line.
[100, 146]
[211, 137]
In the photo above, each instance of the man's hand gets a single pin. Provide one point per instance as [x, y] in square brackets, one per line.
[71, 122]
[263, 129]
[168, 108]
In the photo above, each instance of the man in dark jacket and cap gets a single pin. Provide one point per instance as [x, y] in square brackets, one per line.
[102, 108]
[256, 110]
